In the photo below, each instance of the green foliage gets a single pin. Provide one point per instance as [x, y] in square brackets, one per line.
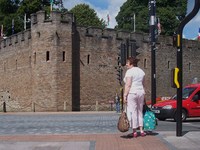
[18, 26]
[8, 9]
[29, 7]
[8, 6]
[85, 16]
[16, 9]
[170, 13]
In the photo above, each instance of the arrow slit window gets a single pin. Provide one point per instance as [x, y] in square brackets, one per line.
[168, 64]
[47, 55]
[63, 55]
[88, 59]
[189, 66]
[145, 63]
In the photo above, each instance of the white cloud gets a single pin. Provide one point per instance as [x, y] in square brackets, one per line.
[112, 9]
[69, 4]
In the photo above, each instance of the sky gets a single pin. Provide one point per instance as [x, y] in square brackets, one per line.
[192, 28]
[112, 7]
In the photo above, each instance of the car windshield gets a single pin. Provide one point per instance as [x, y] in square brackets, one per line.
[186, 92]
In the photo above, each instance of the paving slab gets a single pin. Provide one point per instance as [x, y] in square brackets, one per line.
[45, 146]
[90, 141]
[188, 141]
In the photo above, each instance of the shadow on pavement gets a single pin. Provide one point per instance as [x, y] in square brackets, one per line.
[188, 120]
[130, 135]
[192, 120]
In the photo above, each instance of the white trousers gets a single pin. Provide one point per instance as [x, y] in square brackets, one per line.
[135, 103]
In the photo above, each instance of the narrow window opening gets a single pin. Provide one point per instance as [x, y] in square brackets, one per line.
[63, 55]
[88, 59]
[145, 63]
[38, 34]
[168, 64]
[4, 66]
[47, 56]
[16, 64]
[35, 58]
[30, 61]
[189, 65]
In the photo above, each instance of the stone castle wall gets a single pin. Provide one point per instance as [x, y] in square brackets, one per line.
[57, 66]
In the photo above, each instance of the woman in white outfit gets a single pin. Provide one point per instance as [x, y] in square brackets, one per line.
[134, 94]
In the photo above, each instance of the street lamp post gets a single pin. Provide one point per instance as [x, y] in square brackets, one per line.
[152, 13]
[133, 22]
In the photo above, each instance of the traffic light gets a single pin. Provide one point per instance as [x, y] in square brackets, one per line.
[118, 60]
[123, 54]
[119, 74]
[134, 48]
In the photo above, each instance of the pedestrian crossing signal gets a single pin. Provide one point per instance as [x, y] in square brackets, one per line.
[119, 74]
[174, 78]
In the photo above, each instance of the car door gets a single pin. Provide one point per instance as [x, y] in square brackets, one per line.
[195, 105]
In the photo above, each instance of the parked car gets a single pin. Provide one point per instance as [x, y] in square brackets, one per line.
[190, 104]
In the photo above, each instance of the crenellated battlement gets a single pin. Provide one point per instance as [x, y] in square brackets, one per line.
[54, 17]
[109, 33]
[139, 38]
[18, 38]
[94, 32]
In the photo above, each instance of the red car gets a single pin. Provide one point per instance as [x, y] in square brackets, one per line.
[190, 104]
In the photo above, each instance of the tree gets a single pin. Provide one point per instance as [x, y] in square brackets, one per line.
[16, 9]
[85, 16]
[9, 6]
[8, 9]
[170, 13]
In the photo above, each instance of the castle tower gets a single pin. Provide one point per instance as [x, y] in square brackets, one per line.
[51, 61]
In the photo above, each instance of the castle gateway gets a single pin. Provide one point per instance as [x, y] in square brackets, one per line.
[58, 66]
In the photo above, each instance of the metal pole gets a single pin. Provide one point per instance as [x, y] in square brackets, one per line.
[25, 21]
[127, 48]
[152, 13]
[134, 22]
[180, 67]
[179, 90]
[122, 97]
[4, 106]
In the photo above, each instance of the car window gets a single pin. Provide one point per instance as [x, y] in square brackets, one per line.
[198, 95]
[186, 92]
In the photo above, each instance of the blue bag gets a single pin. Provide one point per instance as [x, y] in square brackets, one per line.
[149, 120]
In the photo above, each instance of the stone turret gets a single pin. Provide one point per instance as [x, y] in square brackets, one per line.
[52, 59]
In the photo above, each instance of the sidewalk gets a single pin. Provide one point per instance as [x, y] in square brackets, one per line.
[81, 142]
[18, 135]
[188, 141]
[165, 141]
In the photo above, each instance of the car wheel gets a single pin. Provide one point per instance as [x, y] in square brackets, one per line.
[183, 115]
[162, 119]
